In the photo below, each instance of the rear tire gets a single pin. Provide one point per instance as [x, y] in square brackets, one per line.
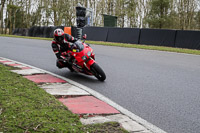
[98, 72]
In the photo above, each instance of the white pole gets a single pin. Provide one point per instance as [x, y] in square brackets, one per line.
[92, 19]
[88, 4]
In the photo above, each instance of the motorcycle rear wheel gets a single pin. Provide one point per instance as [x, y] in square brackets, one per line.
[98, 72]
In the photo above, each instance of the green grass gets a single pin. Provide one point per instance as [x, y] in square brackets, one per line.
[160, 48]
[24, 107]
[27, 37]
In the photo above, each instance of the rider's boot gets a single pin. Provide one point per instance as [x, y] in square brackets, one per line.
[69, 66]
[59, 64]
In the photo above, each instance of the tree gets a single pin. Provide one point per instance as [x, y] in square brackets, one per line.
[158, 16]
[120, 12]
[142, 10]
[186, 11]
[1, 15]
[131, 13]
[173, 14]
[12, 10]
[197, 20]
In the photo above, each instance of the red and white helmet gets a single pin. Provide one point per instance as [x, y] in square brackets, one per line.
[59, 35]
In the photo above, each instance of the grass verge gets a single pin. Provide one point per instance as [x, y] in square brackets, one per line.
[24, 107]
[160, 48]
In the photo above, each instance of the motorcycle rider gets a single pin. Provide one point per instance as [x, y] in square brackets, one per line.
[60, 45]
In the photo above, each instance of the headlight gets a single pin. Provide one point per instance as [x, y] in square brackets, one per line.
[89, 54]
[84, 57]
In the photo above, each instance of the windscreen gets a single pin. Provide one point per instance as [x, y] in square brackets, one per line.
[78, 46]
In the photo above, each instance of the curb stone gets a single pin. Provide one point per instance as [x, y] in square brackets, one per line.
[27, 71]
[64, 89]
[69, 88]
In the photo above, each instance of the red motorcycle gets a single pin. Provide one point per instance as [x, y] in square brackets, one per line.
[82, 59]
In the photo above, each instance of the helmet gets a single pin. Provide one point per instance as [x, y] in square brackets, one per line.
[59, 35]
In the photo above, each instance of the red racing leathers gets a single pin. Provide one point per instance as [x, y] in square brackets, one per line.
[61, 48]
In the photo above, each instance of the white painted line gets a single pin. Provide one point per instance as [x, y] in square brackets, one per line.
[64, 89]
[127, 123]
[28, 71]
[20, 66]
[7, 63]
[94, 120]
[124, 111]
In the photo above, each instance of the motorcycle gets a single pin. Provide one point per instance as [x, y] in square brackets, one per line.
[82, 59]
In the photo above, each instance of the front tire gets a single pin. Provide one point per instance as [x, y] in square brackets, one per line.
[98, 72]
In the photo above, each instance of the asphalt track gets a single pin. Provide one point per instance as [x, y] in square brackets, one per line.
[161, 87]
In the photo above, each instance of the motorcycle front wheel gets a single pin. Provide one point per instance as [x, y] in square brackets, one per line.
[98, 72]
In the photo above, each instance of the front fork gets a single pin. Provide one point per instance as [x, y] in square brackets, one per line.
[89, 63]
